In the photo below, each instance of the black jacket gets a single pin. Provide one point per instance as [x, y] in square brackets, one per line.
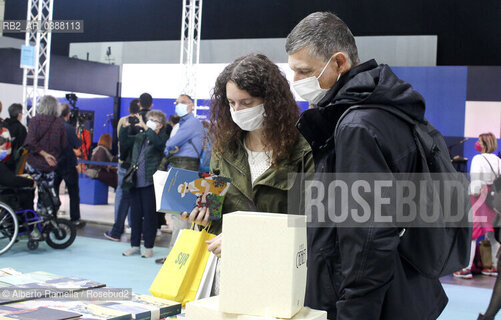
[68, 160]
[357, 273]
[18, 134]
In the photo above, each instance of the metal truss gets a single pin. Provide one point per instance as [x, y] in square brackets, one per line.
[191, 30]
[39, 12]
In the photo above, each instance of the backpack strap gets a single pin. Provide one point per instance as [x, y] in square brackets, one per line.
[396, 112]
[400, 115]
[193, 145]
[492, 169]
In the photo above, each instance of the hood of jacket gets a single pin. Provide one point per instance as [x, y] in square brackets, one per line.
[365, 84]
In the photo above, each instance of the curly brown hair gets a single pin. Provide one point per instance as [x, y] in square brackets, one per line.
[261, 78]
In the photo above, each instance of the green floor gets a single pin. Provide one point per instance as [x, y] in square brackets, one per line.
[94, 259]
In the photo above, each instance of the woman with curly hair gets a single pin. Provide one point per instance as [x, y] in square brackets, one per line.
[256, 143]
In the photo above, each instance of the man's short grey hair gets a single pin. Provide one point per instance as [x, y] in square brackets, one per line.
[159, 115]
[324, 34]
[15, 110]
[49, 106]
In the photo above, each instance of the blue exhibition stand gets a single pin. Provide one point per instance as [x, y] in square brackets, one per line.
[92, 191]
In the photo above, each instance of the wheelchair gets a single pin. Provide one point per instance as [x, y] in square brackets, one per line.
[35, 226]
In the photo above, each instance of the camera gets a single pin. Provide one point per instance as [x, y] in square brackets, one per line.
[75, 115]
[133, 120]
[72, 99]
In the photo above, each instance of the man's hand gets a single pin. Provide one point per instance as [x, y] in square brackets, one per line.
[176, 150]
[50, 159]
[215, 245]
[199, 216]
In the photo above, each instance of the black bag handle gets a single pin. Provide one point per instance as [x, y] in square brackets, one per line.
[193, 145]
[492, 169]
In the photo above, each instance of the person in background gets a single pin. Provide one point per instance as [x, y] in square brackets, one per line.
[21, 197]
[147, 151]
[17, 131]
[206, 147]
[256, 144]
[145, 103]
[67, 168]
[174, 122]
[122, 198]
[82, 152]
[102, 153]
[183, 150]
[1, 119]
[483, 171]
[45, 142]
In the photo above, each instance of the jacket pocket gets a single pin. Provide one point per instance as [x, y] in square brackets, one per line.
[332, 263]
[321, 291]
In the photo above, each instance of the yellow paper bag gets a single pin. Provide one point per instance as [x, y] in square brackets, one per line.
[180, 273]
[198, 274]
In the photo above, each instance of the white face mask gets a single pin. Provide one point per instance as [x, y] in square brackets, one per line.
[249, 119]
[151, 124]
[309, 89]
[181, 109]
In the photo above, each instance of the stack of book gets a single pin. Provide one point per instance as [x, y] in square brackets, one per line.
[25, 296]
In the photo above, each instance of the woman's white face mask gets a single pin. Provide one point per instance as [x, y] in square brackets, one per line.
[309, 89]
[249, 119]
[151, 124]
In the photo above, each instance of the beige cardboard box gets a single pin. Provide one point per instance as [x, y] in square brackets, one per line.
[263, 264]
[207, 309]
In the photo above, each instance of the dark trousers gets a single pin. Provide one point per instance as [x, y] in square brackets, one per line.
[143, 216]
[122, 206]
[70, 178]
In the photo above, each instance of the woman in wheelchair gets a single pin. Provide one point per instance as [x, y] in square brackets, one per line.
[17, 216]
[16, 191]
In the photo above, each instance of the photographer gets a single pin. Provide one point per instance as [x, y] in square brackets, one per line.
[67, 168]
[146, 103]
[147, 150]
[76, 119]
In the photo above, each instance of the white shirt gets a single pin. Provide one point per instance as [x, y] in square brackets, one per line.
[481, 173]
[259, 162]
[174, 129]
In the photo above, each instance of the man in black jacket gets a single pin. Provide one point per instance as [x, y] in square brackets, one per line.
[67, 168]
[17, 131]
[357, 272]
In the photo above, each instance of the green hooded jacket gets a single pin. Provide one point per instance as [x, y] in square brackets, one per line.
[269, 192]
[154, 152]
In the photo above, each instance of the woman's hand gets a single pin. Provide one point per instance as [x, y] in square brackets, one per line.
[141, 122]
[215, 245]
[50, 159]
[199, 216]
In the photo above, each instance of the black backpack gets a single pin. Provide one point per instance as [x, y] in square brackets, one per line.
[442, 250]
[493, 199]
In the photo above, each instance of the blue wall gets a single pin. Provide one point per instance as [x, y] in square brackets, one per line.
[444, 90]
